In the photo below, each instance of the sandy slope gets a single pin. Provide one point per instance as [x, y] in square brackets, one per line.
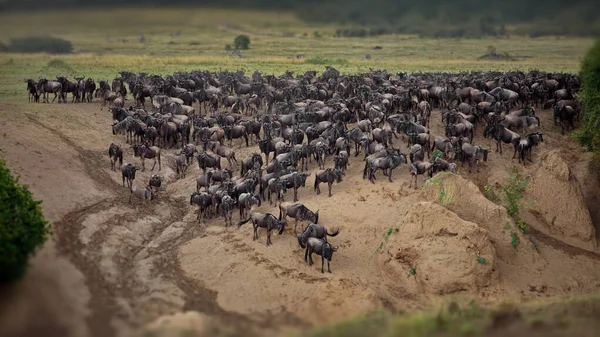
[114, 267]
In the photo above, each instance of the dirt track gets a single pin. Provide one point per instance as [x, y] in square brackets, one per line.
[119, 266]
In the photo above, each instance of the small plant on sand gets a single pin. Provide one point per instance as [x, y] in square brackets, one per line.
[412, 271]
[481, 260]
[386, 236]
[514, 239]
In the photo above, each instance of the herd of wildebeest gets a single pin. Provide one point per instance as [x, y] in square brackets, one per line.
[306, 117]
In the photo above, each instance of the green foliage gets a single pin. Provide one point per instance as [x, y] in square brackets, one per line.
[436, 154]
[522, 226]
[514, 239]
[40, 44]
[509, 195]
[241, 42]
[413, 272]
[589, 133]
[481, 260]
[23, 228]
[386, 236]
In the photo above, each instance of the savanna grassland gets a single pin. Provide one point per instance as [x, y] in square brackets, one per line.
[122, 266]
[107, 41]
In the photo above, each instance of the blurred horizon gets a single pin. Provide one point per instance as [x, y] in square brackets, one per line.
[454, 18]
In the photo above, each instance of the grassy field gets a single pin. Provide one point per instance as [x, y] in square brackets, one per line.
[567, 317]
[107, 41]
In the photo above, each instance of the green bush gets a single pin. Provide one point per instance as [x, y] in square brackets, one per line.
[588, 134]
[241, 42]
[23, 228]
[40, 44]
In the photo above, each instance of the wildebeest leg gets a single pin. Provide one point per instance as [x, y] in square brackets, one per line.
[390, 176]
[154, 164]
[143, 165]
[295, 226]
[255, 237]
[306, 253]
[269, 236]
[329, 183]
[318, 185]
[295, 193]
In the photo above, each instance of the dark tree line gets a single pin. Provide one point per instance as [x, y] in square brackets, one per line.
[432, 17]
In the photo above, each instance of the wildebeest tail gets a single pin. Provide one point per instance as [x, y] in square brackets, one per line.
[243, 222]
[334, 233]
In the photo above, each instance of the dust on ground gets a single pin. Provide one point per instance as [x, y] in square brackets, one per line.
[112, 267]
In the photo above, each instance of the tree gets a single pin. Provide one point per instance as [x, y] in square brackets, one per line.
[23, 228]
[241, 42]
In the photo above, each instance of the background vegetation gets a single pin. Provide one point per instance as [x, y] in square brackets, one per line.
[468, 18]
[23, 228]
[589, 133]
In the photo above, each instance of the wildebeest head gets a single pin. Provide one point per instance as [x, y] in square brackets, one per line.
[328, 250]
[280, 226]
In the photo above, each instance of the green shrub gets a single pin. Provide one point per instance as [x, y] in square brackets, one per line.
[241, 42]
[23, 228]
[40, 44]
[589, 133]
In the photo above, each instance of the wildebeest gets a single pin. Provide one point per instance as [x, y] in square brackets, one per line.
[522, 122]
[525, 146]
[472, 154]
[297, 211]
[128, 173]
[181, 164]
[340, 161]
[322, 248]
[329, 176]
[387, 164]
[264, 220]
[147, 152]
[144, 193]
[115, 153]
[245, 202]
[501, 134]
[314, 230]
[32, 91]
[418, 168]
[565, 116]
[155, 182]
[204, 181]
[45, 86]
[227, 204]
[295, 180]
[206, 160]
[203, 201]
[440, 164]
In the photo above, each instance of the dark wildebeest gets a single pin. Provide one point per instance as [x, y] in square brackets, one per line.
[387, 164]
[440, 164]
[523, 122]
[206, 160]
[418, 168]
[44, 87]
[227, 204]
[155, 182]
[224, 152]
[264, 220]
[297, 211]
[277, 187]
[181, 164]
[203, 201]
[204, 181]
[501, 134]
[32, 91]
[245, 202]
[340, 161]
[472, 154]
[525, 146]
[322, 248]
[235, 132]
[250, 163]
[444, 145]
[115, 153]
[314, 230]
[565, 116]
[294, 180]
[147, 152]
[329, 176]
[128, 172]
